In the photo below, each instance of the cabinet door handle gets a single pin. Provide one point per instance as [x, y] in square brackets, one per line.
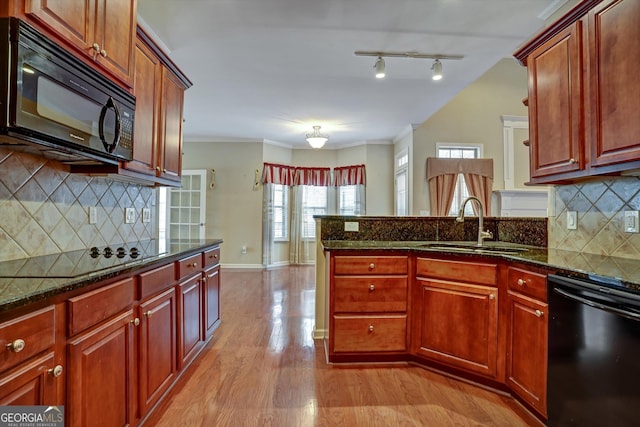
[372, 288]
[372, 266]
[103, 53]
[158, 168]
[572, 160]
[539, 313]
[521, 282]
[194, 265]
[16, 346]
[370, 328]
[148, 314]
[492, 296]
[56, 371]
[215, 256]
[136, 322]
[95, 47]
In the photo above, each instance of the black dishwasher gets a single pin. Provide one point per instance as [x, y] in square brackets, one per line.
[594, 353]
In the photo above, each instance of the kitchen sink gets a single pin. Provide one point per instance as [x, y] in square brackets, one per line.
[488, 248]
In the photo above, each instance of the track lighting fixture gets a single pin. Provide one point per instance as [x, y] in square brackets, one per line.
[316, 139]
[436, 67]
[436, 70]
[379, 68]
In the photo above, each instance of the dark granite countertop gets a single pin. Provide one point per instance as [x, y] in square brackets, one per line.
[48, 272]
[576, 264]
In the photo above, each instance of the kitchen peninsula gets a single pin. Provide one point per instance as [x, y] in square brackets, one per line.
[129, 318]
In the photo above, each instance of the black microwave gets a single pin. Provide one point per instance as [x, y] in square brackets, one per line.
[55, 105]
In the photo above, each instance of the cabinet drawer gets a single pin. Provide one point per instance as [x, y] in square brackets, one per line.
[211, 257]
[469, 271]
[26, 336]
[156, 280]
[370, 265]
[189, 265]
[527, 283]
[370, 294]
[93, 307]
[370, 333]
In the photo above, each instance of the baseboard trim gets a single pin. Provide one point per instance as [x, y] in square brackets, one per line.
[242, 266]
[319, 334]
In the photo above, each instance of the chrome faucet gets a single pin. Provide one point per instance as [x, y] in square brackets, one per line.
[481, 233]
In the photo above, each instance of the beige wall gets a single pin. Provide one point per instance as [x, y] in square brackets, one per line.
[473, 117]
[380, 180]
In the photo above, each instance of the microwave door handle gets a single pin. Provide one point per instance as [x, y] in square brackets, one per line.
[110, 147]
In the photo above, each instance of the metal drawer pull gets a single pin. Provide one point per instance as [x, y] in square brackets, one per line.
[521, 282]
[148, 314]
[492, 296]
[194, 265]
[55, 372]
[95, 47]
[372, 266]
[17, 346]
[370, 328]
[135, 322]
[539, 313]
[372, 287]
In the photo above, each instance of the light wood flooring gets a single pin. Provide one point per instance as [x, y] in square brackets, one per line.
[262, 368]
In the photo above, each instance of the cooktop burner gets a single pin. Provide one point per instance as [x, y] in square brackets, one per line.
[81, 262]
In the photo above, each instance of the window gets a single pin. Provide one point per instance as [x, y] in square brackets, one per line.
[314, 202]
[181, 211]
[280, 199]
[459, 151]
[402, 183]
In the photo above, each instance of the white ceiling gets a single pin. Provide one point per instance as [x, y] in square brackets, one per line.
[271, 69]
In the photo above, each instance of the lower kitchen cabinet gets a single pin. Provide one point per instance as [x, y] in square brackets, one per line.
[189, 319]
[456, 314]
[157, 348]
[211, 300]
[101, 375]
[527, 322]
[33, 383]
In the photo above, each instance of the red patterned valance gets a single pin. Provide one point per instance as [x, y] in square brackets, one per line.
[349, 175]
[320, 177]
[277, 174]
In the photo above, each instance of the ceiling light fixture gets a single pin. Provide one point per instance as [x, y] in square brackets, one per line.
[316, 139]
[379, 68]
[436, 68]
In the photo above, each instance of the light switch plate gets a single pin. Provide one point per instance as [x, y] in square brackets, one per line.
[631, 221]
[146, 215]
[572, 220]
[351, 226]
[129, 215]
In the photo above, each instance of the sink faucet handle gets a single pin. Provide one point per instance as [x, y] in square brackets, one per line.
[486, 234]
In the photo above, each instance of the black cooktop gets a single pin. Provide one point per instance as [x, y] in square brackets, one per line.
[81, 262]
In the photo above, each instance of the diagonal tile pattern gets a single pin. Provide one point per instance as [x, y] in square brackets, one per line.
[45, 209]
[600, 206]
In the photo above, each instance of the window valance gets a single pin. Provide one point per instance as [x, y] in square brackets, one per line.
[439, 166]
[349, 175]
[273, 173]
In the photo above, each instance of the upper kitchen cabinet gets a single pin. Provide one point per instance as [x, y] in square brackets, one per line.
[584, 93]
[100, 32]
[159, 89]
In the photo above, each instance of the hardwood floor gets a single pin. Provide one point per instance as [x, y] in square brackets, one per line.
[262, 368]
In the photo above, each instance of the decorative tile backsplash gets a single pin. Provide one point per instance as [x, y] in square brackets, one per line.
[600, 208]
[44, 209]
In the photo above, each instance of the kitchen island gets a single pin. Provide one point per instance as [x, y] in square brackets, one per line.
[106, 332]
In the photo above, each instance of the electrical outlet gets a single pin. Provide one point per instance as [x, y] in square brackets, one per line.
[631, 221]
[351, 226]
[146, 215]
[572, 220]
[93, 215]
[129, 215]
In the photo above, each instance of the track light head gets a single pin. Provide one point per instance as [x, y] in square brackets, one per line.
[379, 68]
[436, 70]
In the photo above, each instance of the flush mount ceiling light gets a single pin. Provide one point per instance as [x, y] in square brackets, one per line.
[436, 68]
[379, 68]
[316, 139]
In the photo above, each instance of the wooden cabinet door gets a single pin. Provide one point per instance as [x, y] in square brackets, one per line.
[157, 348]
[101, 375]
[146, 88]
[527, 350]
[211, 300]
[458, 325]
[71, 19]
[32, 383]
[115, 32]
[556, 119]
[614, 52]
[171, 127]
[189, 319]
